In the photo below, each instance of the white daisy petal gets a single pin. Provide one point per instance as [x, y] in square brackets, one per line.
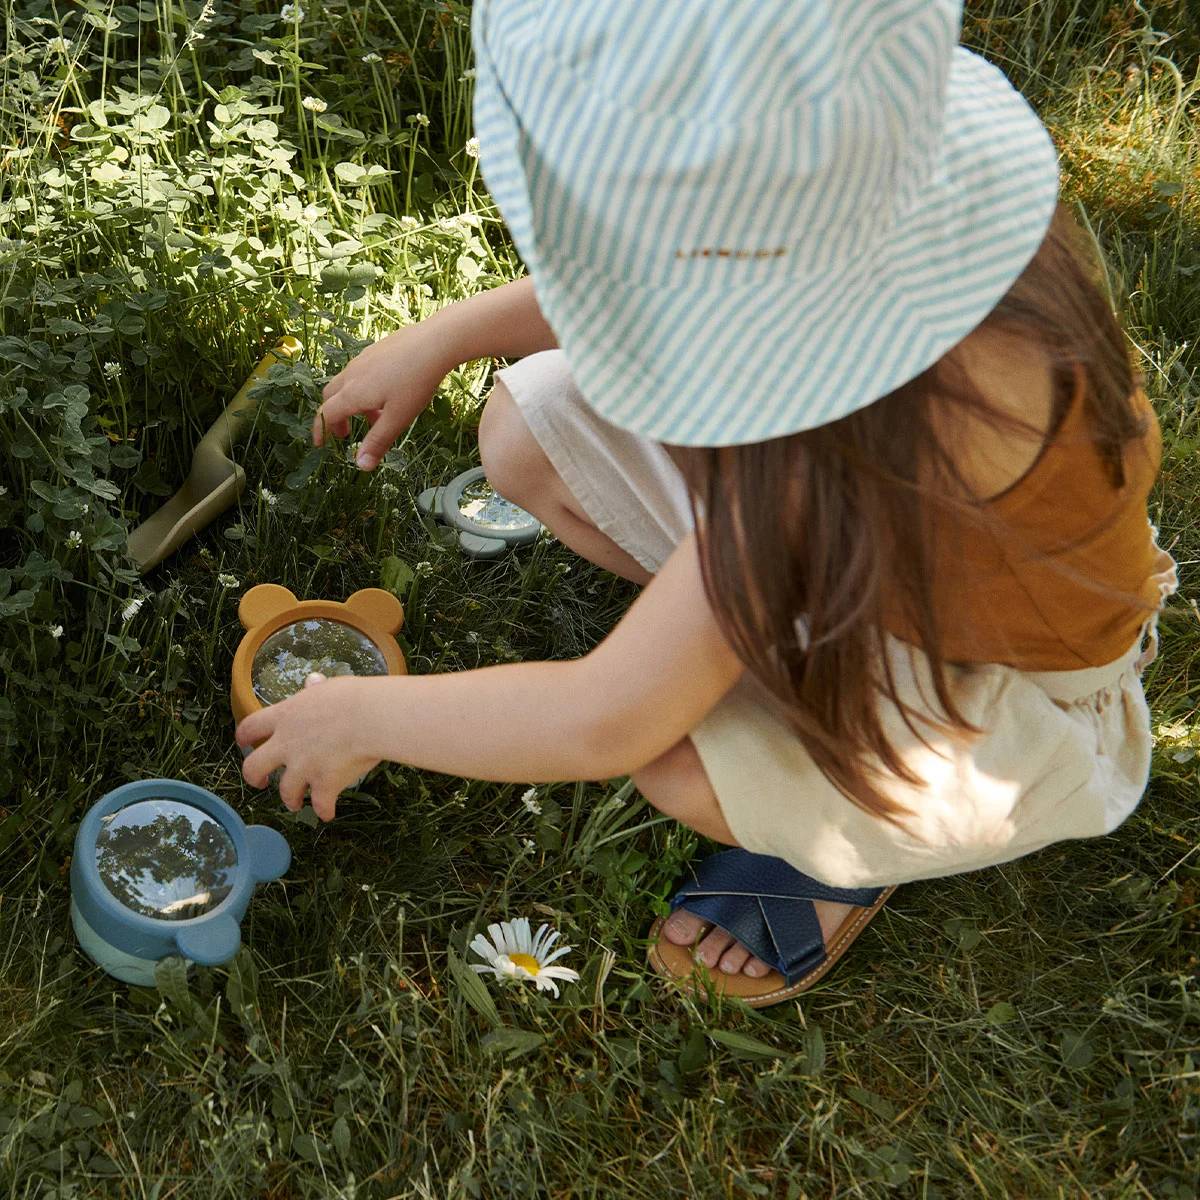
[564, 973]
[483, 947]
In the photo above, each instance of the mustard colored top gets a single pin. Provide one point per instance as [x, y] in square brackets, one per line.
[1060, 571]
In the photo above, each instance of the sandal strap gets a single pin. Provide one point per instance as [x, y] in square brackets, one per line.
[768, 906]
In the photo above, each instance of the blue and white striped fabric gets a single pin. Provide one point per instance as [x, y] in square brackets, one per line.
[745, 218]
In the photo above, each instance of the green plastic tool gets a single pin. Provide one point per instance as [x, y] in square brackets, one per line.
[215, 481]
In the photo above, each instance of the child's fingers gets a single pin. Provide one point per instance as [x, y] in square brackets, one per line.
[255, 728]
[375, 445]
[292, 787]
[332, 417]
[324, 800]
[257, 768]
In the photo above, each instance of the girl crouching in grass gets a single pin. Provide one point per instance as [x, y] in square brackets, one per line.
[809, 351]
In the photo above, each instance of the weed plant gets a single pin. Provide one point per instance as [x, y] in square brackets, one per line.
[180, 184]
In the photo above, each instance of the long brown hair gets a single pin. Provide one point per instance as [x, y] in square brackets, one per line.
[835, 522]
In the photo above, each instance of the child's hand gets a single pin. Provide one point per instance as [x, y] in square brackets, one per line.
[390, 383]
[312, 735]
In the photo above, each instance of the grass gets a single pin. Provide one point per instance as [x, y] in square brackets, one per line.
[1029, 1031]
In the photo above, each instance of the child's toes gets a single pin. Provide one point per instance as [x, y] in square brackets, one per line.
[755, 968]
[734, 959]
[713, 946]
[683, 928]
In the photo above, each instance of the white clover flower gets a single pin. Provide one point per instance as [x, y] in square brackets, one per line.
[407, 222]
[314, 104]
[268, 497]
[55, 631]
[291, 12]
[419, 119]
[528, 845]
[371, 58]
[531, 802]
[472, 147]
[111, 370]
[132, 609]
[61, 45]
[74, 538]
[228, 581]
[517, 954]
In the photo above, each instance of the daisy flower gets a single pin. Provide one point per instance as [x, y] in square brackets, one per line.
[515, 953]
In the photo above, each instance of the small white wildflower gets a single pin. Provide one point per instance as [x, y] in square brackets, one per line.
[371, 58]
[531, 802]
[449, 224]
[528, 845]
[132, 609]
[60, 45]
[472, 147]
[268, 496]
[3, 490]
[366, 887]
[314, 104]
[55, 631]
[291, 12]
[74, 538]
[111, 370]
[419, 119]
[407, 222]
[423, 568]
[514, 953]
[467, 75]
[228, 581]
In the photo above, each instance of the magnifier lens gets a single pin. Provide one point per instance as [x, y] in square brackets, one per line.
[286, 659]
[165, 859]
[481, 503]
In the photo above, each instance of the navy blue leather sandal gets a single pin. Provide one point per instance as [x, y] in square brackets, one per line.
[768, 906]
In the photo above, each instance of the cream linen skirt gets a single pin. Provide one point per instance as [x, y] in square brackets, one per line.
[1063, 754]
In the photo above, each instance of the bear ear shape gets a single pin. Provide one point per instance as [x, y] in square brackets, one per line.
[378, 607]
[263, 602]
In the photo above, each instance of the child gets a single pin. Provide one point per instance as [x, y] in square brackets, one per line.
[813, 357]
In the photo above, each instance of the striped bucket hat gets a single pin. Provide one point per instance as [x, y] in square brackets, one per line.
[745, 218]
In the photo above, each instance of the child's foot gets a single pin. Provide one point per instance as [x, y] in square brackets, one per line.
[719, 951]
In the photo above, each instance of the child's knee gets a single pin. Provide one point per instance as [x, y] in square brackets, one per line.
[515, 464]
[677, 784]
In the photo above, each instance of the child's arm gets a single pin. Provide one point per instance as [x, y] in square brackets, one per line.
[393, 380]
[650, 682]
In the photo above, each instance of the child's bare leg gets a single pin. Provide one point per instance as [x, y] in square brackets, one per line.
[677, 785]
[520, 471]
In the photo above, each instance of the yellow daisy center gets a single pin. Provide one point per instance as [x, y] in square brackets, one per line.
[527, 961]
